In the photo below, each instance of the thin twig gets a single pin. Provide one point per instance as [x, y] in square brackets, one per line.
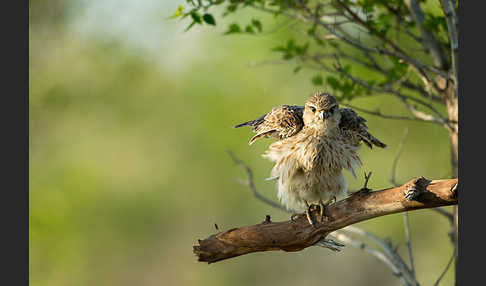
[430, 41]
[355, 42]
[405, 214]
[409, 242]
[388, 116]
[367, 178]
[389, 251]
[445, 213]
[449, 11]
[395, 161]
[251, 184]
[446, 268]
[376, 253]
[404, 98]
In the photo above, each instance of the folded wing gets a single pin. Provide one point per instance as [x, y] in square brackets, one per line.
[354, 126]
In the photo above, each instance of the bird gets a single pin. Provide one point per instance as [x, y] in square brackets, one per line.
[314, 144]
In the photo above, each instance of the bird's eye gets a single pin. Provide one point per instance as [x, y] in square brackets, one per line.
[313, 109]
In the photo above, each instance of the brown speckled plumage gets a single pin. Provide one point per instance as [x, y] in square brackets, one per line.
[315, 143]
[282, 122]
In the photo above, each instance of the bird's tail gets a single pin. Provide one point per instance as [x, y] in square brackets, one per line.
[248, 123]
[253, 123]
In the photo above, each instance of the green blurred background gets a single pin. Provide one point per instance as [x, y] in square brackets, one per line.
[130, 120]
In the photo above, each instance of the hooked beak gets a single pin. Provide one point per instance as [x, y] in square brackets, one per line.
[324, 115]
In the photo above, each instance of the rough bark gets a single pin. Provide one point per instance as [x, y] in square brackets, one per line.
[298, 234]
[451, 100]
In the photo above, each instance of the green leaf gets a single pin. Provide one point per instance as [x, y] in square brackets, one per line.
[385, 19]
[257, 24]
[333, 82]
[302, 49]
[233, 29]
[209, 19]
[347, 87]
[249, 29]
[230, 9]
[196, 17]
[312, 31]
[290, 44]
[317, 80]
[288, 56]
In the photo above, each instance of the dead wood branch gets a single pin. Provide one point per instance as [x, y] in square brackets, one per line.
[298, 234]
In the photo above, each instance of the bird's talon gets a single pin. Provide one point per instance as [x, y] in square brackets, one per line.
[321, 208]
[411, 193]
[309, 218]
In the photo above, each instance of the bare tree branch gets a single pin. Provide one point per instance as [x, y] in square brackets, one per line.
[352, 41]
[389, 255]
[399, 17]
[297, 234]
[446, 214]
[403, 98]
[251, 184]
[448, 7]
[386, 116]
[376, 253]
[409, 242]
[389, 251]
[446, 268]
[429, 40]
[397, 156]
[405, 214]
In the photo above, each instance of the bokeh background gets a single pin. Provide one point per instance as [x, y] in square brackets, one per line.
[130, 120]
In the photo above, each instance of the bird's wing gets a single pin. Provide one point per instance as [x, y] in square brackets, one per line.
[354, 127]
[282, 122]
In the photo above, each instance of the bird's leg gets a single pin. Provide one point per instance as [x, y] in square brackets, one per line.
[308, 213]
[322, 206]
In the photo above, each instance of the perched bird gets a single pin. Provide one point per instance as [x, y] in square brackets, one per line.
[314, 144]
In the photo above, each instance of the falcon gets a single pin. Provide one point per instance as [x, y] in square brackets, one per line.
[315, 142]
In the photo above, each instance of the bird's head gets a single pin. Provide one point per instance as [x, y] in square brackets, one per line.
[321, 112]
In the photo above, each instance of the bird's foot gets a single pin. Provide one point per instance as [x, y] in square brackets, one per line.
[418, 187]
[308, 213]
[411, 193]
[323, 206]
